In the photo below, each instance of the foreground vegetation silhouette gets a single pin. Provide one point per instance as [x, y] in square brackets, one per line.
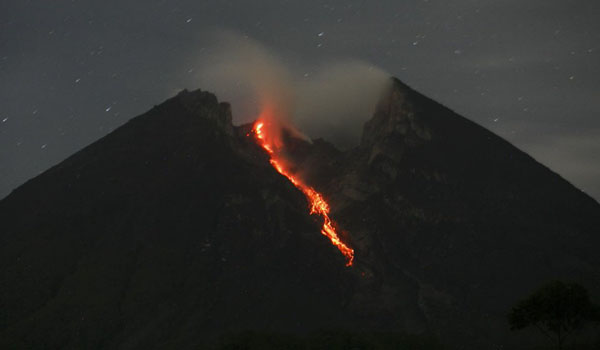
[556, 309]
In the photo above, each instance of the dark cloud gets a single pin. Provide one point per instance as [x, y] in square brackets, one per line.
[72, 70]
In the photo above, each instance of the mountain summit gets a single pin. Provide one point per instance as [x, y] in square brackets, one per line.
[175, 228]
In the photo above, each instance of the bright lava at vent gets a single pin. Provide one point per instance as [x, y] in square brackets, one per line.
[318, 205]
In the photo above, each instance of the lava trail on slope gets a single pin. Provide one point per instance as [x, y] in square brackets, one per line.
[318, 205]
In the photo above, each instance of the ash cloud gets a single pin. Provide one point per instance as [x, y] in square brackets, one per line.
[337, 102]
[331, 103]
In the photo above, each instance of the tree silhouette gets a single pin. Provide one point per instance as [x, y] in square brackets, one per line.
[556, 309]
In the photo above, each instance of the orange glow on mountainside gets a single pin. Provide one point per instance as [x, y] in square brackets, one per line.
[318, 205]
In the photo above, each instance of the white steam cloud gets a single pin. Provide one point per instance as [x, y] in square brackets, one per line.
[332, 103]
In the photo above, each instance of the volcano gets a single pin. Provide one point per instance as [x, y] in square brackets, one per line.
[176, 228]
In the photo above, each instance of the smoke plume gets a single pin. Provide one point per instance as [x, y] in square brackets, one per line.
[332, 103]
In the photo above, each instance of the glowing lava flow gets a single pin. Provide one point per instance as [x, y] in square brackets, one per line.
[318, 205]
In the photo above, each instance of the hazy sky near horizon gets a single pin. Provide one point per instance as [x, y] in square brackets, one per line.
[73, 70]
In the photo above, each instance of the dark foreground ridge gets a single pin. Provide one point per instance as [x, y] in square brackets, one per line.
[174, 230]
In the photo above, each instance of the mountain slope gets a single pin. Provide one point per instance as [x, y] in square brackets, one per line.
[473, 220]
[162, 232]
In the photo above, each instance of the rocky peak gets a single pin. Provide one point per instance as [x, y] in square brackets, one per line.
[396, 125]
[395, 116]
[205, 103]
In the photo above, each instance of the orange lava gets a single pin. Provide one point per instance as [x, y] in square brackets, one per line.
[318, 205]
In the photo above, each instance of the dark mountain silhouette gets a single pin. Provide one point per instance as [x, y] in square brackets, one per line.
[174, 229]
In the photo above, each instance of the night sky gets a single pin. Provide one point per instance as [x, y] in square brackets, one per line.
[71, 70]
